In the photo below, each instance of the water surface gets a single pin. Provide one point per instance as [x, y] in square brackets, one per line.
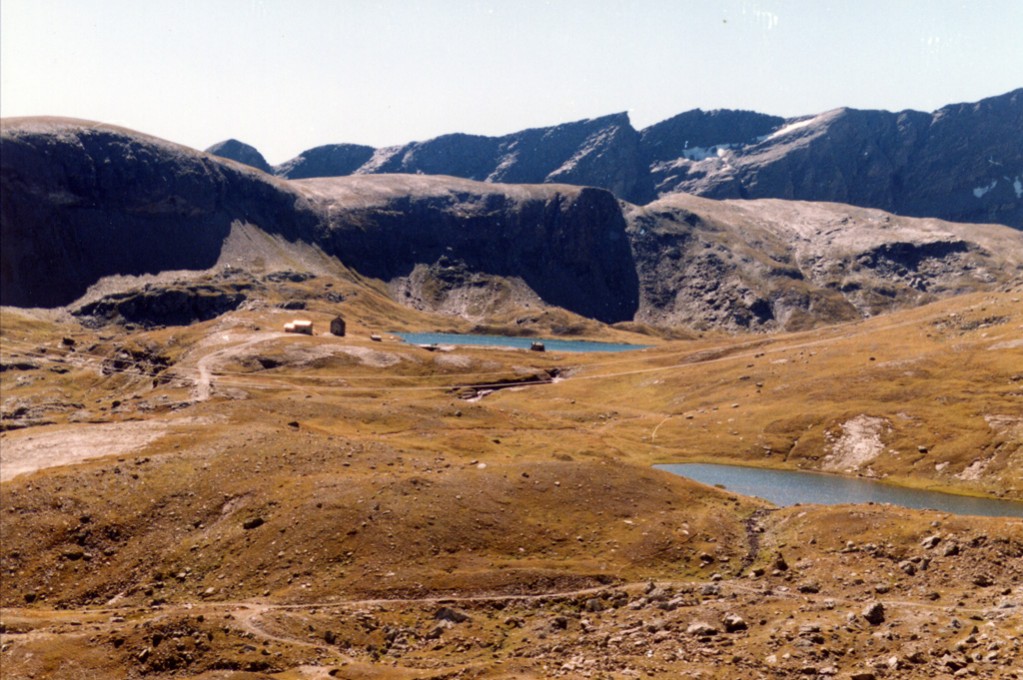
[784, 487]
[515, 342]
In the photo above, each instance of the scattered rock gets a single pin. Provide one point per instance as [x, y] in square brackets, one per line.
[701, 628]
[439, 629]
[451, 614]
[863, 675]
[873, 613]
[733, 623]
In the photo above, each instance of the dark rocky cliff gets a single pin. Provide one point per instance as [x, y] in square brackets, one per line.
[969, 164]
[568, 244]
[81, 201]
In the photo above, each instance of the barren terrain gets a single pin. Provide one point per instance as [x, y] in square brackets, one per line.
[223, 500]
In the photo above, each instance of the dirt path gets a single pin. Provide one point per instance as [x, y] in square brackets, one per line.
[248, 613]
[204, 366]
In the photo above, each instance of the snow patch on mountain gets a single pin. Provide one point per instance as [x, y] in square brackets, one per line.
[980, 191]
[792, 127]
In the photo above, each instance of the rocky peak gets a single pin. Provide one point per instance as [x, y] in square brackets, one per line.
[964, 162]
[603, 152]
[234, 150]
[330, 160]
[698, 132]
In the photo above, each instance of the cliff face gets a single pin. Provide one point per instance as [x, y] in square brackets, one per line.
[963, 162]
[81, 201]
[568, 244]
[970, 164]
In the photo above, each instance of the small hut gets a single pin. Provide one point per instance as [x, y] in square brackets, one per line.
[337, 326]
[299, 326]
[538, 347]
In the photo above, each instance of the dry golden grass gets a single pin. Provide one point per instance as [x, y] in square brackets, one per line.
[312, 472]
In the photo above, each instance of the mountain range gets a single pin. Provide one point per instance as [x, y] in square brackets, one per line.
[86, 201]
[963, 162]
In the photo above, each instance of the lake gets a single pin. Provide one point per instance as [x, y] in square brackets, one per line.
[515, 342]
[783, 487]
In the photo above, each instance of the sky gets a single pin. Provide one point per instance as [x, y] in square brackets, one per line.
[288, 75]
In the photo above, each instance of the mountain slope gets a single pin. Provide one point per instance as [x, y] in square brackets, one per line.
[328, 506]
[770, 264]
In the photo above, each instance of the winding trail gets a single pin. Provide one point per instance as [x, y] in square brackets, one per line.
[248, 613]
[204, 367]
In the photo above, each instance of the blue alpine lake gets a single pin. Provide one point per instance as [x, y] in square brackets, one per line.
[515, 342]
[783, 487]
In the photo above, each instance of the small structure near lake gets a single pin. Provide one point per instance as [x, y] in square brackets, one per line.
[337, 326]
[538, 347]
[299, 326]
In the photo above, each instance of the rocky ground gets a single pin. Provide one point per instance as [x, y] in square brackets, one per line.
[944, 606]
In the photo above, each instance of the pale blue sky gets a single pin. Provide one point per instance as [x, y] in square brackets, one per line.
[286, 75]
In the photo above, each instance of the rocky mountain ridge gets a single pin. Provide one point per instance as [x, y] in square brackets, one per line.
[963, 162]
[84, 201]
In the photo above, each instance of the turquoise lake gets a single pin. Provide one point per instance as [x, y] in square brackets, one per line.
[783, 487]
[515, 342]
